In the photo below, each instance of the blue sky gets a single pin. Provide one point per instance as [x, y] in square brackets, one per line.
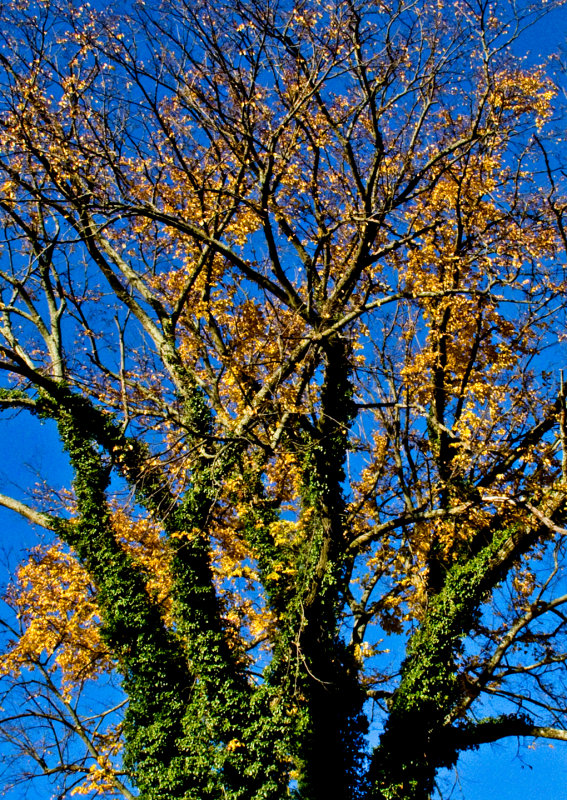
[502, 771]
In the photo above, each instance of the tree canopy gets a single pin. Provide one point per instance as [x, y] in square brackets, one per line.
[285, 275]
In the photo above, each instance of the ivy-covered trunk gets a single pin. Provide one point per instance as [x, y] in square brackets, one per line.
[421, 735]
[332, 743]
[192, 729]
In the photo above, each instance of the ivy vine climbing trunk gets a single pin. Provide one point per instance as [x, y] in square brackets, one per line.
[332, 744]
[186, 689]
[155, 676]
[420, 737]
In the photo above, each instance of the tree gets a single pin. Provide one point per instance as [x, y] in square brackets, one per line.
[284, 276]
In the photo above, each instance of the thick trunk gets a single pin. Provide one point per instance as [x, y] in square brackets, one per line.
[332, 743]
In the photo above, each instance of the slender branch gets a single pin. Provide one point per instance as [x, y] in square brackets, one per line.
[32, 515]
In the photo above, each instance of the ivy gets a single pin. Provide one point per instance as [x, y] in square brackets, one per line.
[429, 686]
[188, 697]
